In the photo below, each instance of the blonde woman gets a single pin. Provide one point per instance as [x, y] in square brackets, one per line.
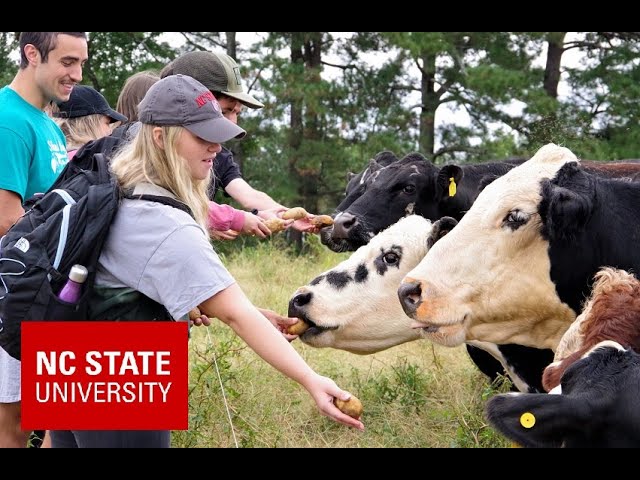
[165, 254]
[84, 117]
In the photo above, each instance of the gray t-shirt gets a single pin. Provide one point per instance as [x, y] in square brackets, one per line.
[161, 252]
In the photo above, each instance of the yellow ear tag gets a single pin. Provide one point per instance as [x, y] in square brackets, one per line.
[452, 187]
[527, 420]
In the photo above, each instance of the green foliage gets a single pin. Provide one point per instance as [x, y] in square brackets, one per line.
[115, 56]
[8, 47]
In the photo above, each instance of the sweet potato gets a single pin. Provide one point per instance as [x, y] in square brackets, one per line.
[194, 314]
[297, 328]
[295, 214]
[322, 221]
[352, 407]
[275, 224]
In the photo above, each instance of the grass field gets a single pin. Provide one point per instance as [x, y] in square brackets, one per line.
[414, 395]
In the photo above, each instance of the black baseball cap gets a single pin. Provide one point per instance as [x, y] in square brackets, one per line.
[84, 101]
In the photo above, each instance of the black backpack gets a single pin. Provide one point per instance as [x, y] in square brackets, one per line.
[66, 226]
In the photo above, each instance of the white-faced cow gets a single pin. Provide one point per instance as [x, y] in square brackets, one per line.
[597, 405]
[611, 313]
[354, 306]
[518, 265]
[389, 189]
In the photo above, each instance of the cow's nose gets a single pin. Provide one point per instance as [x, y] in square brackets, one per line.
[297, 303]
[409, 294]
[343, 224]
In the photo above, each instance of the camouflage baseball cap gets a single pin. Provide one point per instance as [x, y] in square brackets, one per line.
[179, 100]
[216, 71]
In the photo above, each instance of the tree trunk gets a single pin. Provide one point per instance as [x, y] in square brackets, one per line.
[430, 103]
[555, 50]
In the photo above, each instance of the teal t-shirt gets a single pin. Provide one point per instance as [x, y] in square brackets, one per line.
[32, 147]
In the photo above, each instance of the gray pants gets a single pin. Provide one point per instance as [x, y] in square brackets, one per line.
[110, 438]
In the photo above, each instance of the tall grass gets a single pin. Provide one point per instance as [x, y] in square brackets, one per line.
[414, 395]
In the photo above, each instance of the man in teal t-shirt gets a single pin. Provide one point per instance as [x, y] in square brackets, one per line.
[32, 154]
[32, 145]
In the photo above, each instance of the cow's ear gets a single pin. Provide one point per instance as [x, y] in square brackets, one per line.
[536, 419]
[350, 175]
[486, 180]
[448, 179]
[565, 210]
[415, 157]
[385, 158]
[440, 229]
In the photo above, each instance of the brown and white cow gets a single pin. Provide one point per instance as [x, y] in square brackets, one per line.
[518, 265]
[611, 313]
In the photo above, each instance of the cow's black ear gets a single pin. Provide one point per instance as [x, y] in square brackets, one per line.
[448, 180]
[415, 157]
[536, 419]
[566, 204]
[440, 229]
[486, 180]
[385, 158]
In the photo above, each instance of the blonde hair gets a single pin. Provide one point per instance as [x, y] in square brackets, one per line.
[143, 161]
[133, 91]
[80, 130]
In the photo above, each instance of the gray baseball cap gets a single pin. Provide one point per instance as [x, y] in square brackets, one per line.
[179, 100]
[216, 71]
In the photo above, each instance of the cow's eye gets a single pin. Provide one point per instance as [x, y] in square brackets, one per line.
[516, 218]
[409, 189]
[391, 258]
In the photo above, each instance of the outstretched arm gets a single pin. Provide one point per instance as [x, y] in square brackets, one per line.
[233, 308]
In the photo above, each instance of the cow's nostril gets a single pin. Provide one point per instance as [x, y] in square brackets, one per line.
[410, 297]
[302, 299]
[343, 224]
[297, 302]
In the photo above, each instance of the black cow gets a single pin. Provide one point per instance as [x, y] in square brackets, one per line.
[385, 194]
[598, 405]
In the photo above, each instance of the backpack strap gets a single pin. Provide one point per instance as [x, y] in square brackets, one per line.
[172, 202]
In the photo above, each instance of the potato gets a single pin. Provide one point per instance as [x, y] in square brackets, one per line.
[275, 224]
[194, 314]
[322, 221]
[295, 214]
[298, 328]
[352, 407]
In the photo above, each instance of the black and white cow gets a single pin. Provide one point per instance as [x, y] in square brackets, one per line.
[354, 306]
[390, 188]
[384, 193]
[596, 406]
[518, 265]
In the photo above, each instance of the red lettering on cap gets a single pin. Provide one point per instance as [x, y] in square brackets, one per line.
[203, 99]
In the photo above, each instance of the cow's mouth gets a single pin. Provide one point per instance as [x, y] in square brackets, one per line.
[426, 327]
[314, 329]
[357, 238]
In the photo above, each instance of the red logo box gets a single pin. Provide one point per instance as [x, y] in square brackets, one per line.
[105, 375]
